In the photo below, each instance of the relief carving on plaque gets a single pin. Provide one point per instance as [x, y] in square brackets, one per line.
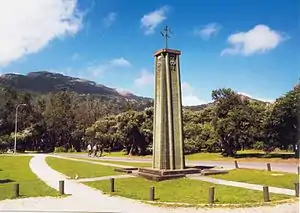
[159, 58]
[172, 63]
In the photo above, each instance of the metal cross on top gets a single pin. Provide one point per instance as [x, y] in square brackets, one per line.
[166, 33]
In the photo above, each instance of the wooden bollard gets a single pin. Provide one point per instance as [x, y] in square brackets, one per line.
[211, 195]
[16, 190]
[112, 185]
[297, 189]
[61, 187]
[236, 164]
[152, 193]
[269, 167]
[266, 193]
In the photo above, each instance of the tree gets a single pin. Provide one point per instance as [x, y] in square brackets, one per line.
[232, 120]
[282, 124]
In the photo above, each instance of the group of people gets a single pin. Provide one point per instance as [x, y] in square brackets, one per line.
[93, 150]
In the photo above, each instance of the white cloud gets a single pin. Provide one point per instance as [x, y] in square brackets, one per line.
[151, 20]
[28, 26]
[260, 39]
[188, 96]
[110, 19]
[250, 96]
[146, 78]
[98, 69]
[208, 30]
[94, 70]
[120, 62]
[123, 92]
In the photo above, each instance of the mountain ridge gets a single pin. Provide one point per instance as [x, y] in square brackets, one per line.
[49, 82]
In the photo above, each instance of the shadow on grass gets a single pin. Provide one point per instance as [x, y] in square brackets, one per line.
[6, 181]
[263, 155]
[199, 167]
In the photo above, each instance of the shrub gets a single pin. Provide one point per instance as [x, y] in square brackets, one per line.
[72, 150]
[60, 149]
[258, 145]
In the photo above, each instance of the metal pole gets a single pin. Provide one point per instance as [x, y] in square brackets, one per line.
[16, 127]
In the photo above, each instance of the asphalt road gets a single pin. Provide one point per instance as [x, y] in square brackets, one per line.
[280, 167]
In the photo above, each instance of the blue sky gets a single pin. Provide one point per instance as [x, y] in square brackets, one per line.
[249, 46]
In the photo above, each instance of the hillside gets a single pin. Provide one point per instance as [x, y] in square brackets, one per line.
[44, 82]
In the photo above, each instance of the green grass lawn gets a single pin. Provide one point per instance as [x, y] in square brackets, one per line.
[253, 155]
[246, 155]
[261, 177]
[205, 156]
[82, 169]
[182, 191]
[15, 169]
[134, 164]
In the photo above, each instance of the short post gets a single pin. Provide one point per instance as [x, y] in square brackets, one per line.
[298, 170]
[152, 193]
[236, 164]
[211, 195]
[266, 193]
[269, 167]
[61, 187]
[16, 190]
[297, 189]
[112, 184]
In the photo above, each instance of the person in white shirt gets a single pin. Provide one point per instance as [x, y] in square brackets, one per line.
[95, 150]
[89, 149]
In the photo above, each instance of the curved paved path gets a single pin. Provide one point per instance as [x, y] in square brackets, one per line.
[84, 198]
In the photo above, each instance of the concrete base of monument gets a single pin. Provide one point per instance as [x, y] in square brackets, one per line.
[160, 175]
[126, 170]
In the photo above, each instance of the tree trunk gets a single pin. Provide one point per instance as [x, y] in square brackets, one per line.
[131, 150]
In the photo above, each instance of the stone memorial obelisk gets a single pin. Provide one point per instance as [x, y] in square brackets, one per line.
[167, 126]
[168, 148]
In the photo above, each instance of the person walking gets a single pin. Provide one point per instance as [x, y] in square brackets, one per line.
[89, 149]
[95, 150]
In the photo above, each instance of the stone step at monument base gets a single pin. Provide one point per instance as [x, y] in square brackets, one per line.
[159, 175]
[206, 172]
[126, 170]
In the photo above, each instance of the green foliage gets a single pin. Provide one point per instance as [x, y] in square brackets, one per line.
[66, 121]
[60, 149]
[258, 145]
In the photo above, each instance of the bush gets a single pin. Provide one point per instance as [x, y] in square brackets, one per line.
[72, 150]
[60, 149]
[258, 145]
[213, 147]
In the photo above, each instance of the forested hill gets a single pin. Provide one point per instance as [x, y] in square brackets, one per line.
[44, 82]
[64, 113]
